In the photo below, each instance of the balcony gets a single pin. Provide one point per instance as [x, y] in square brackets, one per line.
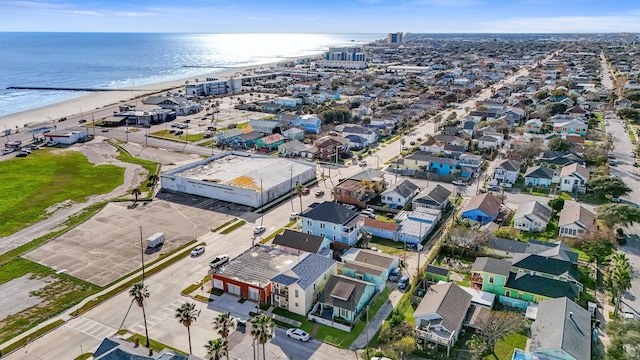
[434, 336]
[476, 278]
[281, 292]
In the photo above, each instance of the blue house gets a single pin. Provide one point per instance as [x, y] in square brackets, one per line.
[376, 275]
[333, 221]
[308, 123]
[231, 136]
[539, 176]
[482, 208]
[344, 298]
[442, 165]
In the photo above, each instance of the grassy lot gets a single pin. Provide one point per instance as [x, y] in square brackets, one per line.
[41, 331]
[165, 134]
[388, 246]
[591, 199]
[155, 345]
[46, 177]
[632, 136]
[566, 196]
[330, 335]
[56, 296]
[152, 167]
[208, 143]
[504, 347]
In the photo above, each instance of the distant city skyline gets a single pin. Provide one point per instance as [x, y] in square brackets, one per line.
[327, 16]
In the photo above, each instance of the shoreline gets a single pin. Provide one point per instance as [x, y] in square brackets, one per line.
[89, 104]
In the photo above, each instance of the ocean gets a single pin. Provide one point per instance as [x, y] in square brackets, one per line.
[120, 60]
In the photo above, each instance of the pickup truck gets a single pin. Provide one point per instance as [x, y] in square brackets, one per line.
[219, 261]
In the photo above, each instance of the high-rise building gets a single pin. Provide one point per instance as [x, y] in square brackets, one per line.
[394, 38]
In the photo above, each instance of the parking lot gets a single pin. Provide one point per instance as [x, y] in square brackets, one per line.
[107, 246]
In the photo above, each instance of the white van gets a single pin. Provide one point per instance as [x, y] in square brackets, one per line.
[294, 216]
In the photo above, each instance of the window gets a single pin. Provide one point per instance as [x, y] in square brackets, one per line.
[297, 305]
[314, 286]
[507, 293]
[308, 222]
[491, 279]
[322, 235]
[322, 225]
[520, 296]
[296, 293]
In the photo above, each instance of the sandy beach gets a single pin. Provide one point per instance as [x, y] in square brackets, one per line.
[100, 104]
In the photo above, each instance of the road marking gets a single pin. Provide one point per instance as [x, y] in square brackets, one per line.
[91, 327]
[158, 316]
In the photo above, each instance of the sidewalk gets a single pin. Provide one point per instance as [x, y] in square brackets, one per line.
[372, 327]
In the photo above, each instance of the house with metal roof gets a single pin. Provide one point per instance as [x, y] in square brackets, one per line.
[400, 195]
[332, 221]
[561, 330]
[532, 216]
[440, 314]
[297, 288]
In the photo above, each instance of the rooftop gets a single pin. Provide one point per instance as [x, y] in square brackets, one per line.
[258, 265]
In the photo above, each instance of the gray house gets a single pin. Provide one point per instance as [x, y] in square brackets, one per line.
[436, 198]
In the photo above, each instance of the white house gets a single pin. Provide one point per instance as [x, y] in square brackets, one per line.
[297, 288]
[488, 142]
[507, 171]
[287, 101]
[369, 135]
[399, 196]
[576, 221]
[574, 177]
[532, 216]
[432, 145]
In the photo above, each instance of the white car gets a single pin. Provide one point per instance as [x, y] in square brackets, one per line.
[197, 251]
[219, 261]
[632, 154]
[259, 230]
[458, 182]
[298, 334]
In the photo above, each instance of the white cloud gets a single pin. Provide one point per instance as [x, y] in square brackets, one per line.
[563, 24]
[446, 3]
[134, 14]
[86, 12]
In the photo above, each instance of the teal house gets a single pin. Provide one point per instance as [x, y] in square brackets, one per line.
[270, 142]
[343, 300]
[370, 273]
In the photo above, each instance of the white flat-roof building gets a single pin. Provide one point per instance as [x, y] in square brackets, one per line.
[241, 178]
[213, 86]
[66, 137]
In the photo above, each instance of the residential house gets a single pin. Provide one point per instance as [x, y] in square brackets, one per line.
[333, 221]
[247, 140]
[295, 148]
[539, 176]
[230, 136]
[293, 134]
[574, 178]
[440, 314]
[400, 195]
[549, 267]
[432, 145]
[560, 158]
[550, 249]
[561, 330]
[482, 208]
[435, 198]
[308, 123]
[359, 189]
[269, 142]
[342, 301]
[249, 274]
[507, 171]
[329, 147]
[299, 243]
[571, 126]
[436, 274]
[114, 348]
[452, 140]
[469, 128]
[442, 165]
[575, 220]
[367, 272]
[532, 216]
[471, 161]
[357, 142]
[488, 142]
[287, 102]
[454, 150]
[622, 103]
[266, 127]
[414, 226]
[517, 288]
[369, 135]
[533, 126]
[297, 288]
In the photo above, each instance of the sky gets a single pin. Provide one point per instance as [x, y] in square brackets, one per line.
[322, 16]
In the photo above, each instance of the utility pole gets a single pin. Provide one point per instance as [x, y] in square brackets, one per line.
[142, 254]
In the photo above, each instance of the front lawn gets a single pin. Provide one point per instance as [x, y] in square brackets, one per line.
[550, 233]
[388, 246]
[505, 346]
[32, 184]
[592, 199]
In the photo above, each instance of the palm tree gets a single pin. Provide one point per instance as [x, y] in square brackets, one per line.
[139, 293]
[299, 191]
[186, 314]
[216, 348]
[618, 277]
[223, 324]
[136, 192]
[261, 330]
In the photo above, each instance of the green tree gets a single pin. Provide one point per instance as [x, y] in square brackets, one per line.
[613, 214]
[216, 348]
[556, 204]
[598, 245]
[262, 330]
[624, 338]
[629, 114]
[139, 293]
[559, 144]
[186, 315]
[223, 324]
[558, 93]
[618, 277]
[478, 346]
[541, 95]
[136, 192]
[608, 185]
[556, 108]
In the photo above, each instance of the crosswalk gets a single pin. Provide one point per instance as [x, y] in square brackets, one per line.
[91, 327]
[204, 204]
[159, 316]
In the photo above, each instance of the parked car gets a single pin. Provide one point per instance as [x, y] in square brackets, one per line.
[306, 191]
[606, 123]
[395, 274]
[241, 325]
[459, 183]
[197, 251]
[412, 143]
[404, 281]
[362, 163]
[259, 230]
[319, 193]
[611, 163]
[7, 151]
[219, 261]
[615, 199]
[298, 334]
[105, 130]
[632, 154]
[294, 215]
[21, 154]
[493, 188]
[34, 147]
[405, 147]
